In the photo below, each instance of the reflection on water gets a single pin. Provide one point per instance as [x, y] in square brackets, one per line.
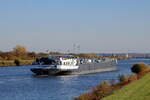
[19, 83]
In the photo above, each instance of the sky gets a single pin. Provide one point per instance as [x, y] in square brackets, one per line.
[109, 26]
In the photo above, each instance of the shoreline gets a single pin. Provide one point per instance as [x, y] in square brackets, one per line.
[12, 63]
[106, 90]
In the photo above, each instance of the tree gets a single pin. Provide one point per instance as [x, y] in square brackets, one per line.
[20, 51]
[32, 55]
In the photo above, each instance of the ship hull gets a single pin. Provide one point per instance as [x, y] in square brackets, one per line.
[87, 68]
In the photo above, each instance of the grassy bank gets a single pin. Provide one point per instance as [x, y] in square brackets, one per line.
[4, 63]
[138, 90]
[132, 87]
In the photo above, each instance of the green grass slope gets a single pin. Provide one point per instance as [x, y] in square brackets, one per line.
[138, 90]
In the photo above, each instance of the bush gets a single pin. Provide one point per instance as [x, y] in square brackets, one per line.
[103, 90]
[104, 85]
[123, 78]
[133, 78]
[139, 68]
[17, 62]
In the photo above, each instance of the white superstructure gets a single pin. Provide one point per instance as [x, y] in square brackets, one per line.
[67, 63]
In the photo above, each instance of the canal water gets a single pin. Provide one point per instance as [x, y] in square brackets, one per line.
[19, 83]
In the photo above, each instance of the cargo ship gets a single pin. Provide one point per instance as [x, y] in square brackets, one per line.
[68, 64]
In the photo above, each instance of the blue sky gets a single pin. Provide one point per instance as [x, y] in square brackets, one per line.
[95, 25]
